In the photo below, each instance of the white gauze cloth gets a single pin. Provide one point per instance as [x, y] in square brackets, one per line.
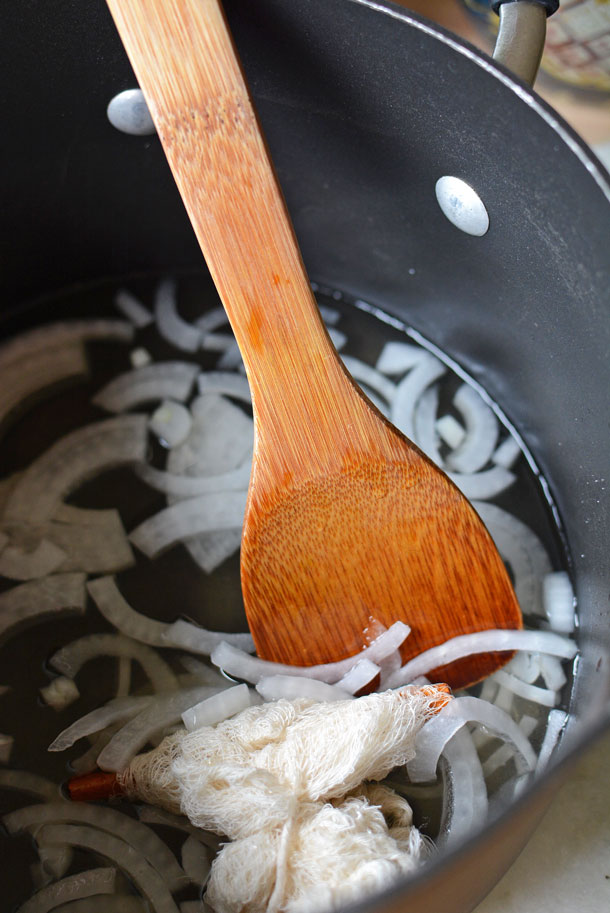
[270, 779]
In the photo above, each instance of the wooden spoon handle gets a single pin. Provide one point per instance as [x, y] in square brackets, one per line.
[184, 59]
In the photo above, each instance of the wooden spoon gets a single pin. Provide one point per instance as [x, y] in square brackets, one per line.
[347, 521]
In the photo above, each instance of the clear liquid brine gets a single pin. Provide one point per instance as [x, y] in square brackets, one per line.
[77, 506]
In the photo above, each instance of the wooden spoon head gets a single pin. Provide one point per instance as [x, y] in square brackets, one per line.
[379, 539]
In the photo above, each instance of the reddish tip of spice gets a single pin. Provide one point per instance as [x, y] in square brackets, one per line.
[94, 786]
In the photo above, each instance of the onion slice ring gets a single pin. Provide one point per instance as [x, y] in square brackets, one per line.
[150, 882]
[188, 518]
[72, 460]
[491, 641]
[171, 326]
[69, 659]
[252, 669]
[73, 887]
[436, 733]
[157, 381]
[159, 714]
[102, 818]
[191, 637]
[115, 609]
[36, 598]
[289, 687]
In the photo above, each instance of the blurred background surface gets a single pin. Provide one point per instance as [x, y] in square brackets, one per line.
[575, 73]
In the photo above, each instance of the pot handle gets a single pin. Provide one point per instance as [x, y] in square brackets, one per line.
[521, 34]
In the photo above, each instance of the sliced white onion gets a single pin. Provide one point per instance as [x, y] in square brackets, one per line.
[212, 319]
[338, 338]
[488, 691]
[542, 696]
[552, 672]
[72, 460]
[362, 673]
[158, 381]
[504, 699]
[60, 693]
[202, 673]
[36, 598]
[6, 747]
[504, 753]
[171, 326]
[210, 550]
[398, 357]
[95, 546]
[149, 881]
[171, 423]
[558, 601]
[450, 430]
[230, 358]
[115, 711]
[491, 641]
[464, 791]
[58, 335]
[103, 818]
[123, 686]
[219, 342]
[427, 370]
[482, 429]
[388, 667]
[555, 725]
[424, 424]
[195, 861]
[289, 687]
[115, 903]
[241, 665]
[18, 564]
[182, 486]
[160, 713]
[115, 609]
[225, 382]
[369, 376]
[217, 707]
[507, 453]
[525, 666]
[221, 438]
[191, 637]
[87, 761]
[483, 485]
[191, 517]
[73, 887]
[140, 357]
[330, 316]
[93, 541]
[434, 735]
[132, 309]
[42, 370]
[152, 815]
[379, 403]
[34, 784]
[521, 549]
[54, 862]
[71, 658]
[421, 681]
[102, 520]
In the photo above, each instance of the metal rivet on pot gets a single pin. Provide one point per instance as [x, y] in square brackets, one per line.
[462, 205]
[129, 113]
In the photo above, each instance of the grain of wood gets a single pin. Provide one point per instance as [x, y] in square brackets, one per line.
[346, 520]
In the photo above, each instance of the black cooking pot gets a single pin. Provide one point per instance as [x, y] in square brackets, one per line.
[364, 107]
